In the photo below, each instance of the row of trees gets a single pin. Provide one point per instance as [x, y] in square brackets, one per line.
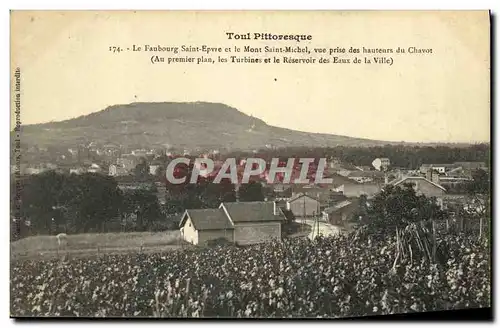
[53, 203]
[50, 203]
[411, 157]
[205, 193]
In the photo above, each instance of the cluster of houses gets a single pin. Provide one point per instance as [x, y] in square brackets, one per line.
[109, 158]
[86, 167]
[252, 222]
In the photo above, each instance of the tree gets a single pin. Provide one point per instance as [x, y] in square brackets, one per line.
[397, 207]
[479, 195]
[202, 194]
[141, 171]
[160, 173]
[212, 194]
[144, 205]
[96, 202]
[74, 203]
[39, 199]
[361, 213]
[251, 192]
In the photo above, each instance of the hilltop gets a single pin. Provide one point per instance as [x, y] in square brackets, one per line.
[186, 125]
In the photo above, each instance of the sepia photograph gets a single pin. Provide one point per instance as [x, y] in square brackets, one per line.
[250, 164]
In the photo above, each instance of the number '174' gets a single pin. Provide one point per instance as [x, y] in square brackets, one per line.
[115, 49]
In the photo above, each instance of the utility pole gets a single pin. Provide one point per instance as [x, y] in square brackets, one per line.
[304, 205]
[315, 227]
[303, 210]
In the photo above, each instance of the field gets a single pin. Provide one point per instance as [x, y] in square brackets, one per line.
[46, 247]
[90, 244]
[336, 276]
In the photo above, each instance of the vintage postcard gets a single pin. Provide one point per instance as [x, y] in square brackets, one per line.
[250, 164]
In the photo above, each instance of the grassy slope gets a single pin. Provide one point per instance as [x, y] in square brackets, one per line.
[188, 125]
[88, 243]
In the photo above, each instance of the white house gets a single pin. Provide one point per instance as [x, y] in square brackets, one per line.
[441, 168]
[243, 223]
[153, 168]
[365, 176]
[340, 212]
[117, 170]
[94, 168]
[139, 152]
[303, 205]
[423, 186]
[127, 161]
[201, 225]
[73, 151]
[77, 170]
[381, 164]
[356, 190]
[34, 170]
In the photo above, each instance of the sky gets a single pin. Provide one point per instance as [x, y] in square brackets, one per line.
[67, 69]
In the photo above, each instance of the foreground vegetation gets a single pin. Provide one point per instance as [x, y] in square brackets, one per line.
[347, 275]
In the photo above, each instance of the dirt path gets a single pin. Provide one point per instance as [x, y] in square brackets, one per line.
[325, 229]
[98, 244]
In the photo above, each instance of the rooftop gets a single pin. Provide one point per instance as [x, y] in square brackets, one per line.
[251, 211]
[300, 196]
[439, 165]
[207, 219]
[338, 206]
[401, 180]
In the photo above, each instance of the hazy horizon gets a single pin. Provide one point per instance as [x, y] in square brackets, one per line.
[67, 70]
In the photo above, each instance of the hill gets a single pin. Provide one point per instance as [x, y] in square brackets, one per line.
[195, 125]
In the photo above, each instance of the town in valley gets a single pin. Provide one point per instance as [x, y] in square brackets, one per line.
[190, 239]
[251, 165]
[334, 203]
